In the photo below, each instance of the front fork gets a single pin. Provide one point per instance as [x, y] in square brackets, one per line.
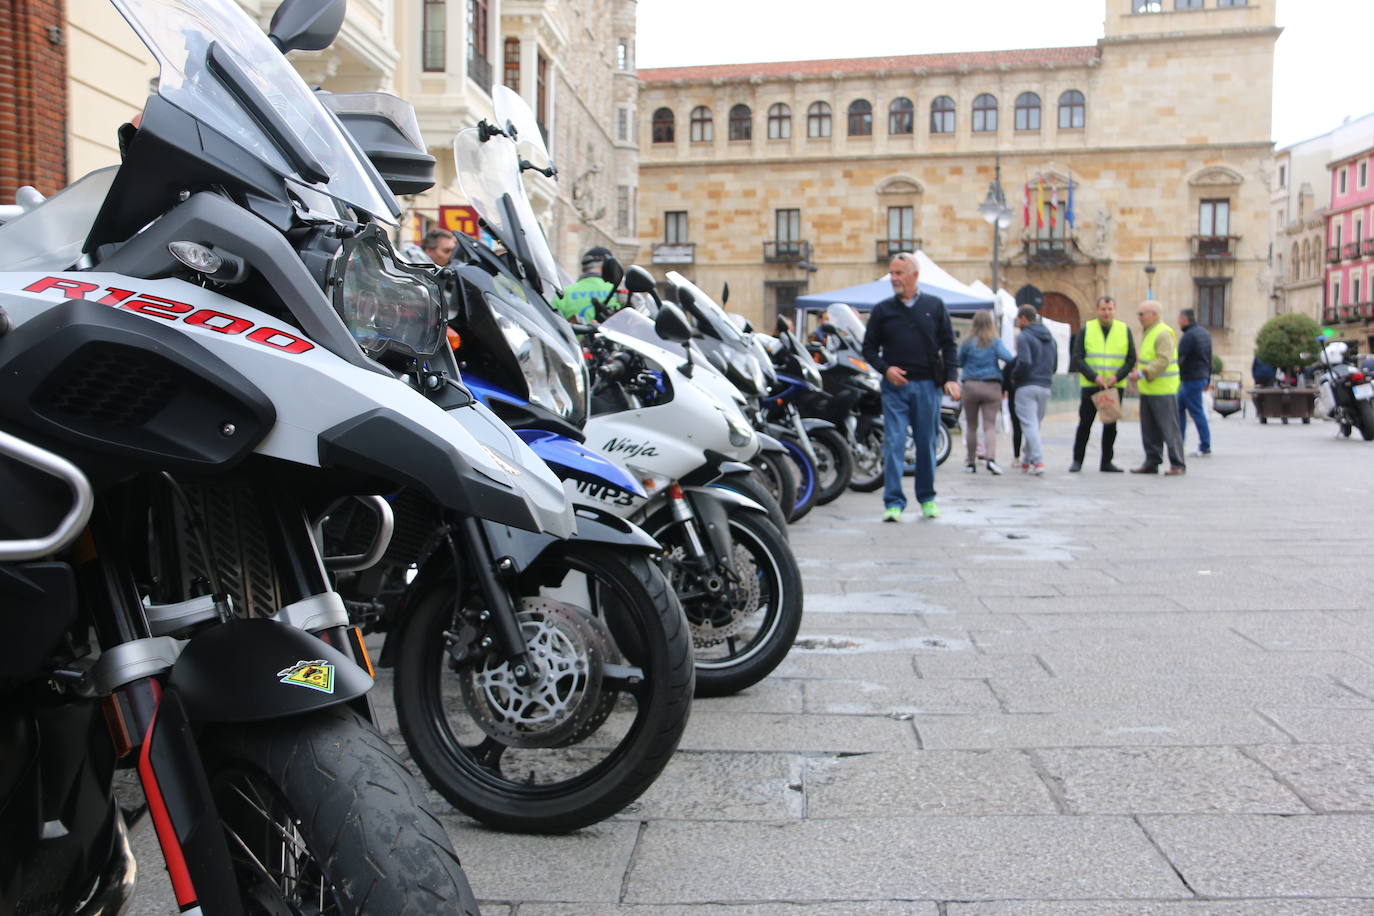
[489, 570]
[803, 438]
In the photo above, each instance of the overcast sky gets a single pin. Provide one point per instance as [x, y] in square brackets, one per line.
[1320, 62]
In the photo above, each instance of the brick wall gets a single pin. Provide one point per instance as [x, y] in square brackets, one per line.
[33, 96]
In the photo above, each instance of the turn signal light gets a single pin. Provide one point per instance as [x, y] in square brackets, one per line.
[455, 340]
[1357, 376]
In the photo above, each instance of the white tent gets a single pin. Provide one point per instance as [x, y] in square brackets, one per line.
[1004, 310]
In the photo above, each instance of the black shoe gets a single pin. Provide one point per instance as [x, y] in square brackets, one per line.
[1110, 469]
[1145, 469]
[1075, 467]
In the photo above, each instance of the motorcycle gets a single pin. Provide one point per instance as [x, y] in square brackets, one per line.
[1344, 392]
[604, 628]
[167, 608]
[737, 578]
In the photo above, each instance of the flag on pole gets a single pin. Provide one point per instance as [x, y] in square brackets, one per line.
[1054, 203]
[1025, 212]
[1068, 210]
[1039, 202]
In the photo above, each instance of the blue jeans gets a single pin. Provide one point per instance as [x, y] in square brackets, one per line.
[1190, 402]
[915, 405]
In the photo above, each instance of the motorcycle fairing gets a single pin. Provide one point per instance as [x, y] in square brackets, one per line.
[594, 525]
[577, 462]
[314, 391]
[811, 424]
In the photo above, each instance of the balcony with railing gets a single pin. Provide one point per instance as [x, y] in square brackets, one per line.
[884, 249]
[674, 253]
[1213, 247]
[1047, 252]
[1367, 248]
[479, 70]
[1333, 254]
[1351, 250]
[786, 251]
[1329, 314]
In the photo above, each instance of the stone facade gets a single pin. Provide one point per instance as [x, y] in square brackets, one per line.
[1161, 129]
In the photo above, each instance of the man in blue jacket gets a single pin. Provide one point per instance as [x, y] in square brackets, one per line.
[910, 340]
[1195, 371]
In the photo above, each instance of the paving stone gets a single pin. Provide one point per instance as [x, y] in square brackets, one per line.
[1173, 692]
[1325, 726]
[887, 601]
[1270, 856]
[1096, 729]
[1088, 643]
[914, 858]
[1269, 907]
[1166, 780]
[1126, 604]
[723, 786]
[816, 621]
[976, 665]
[830, 734]
[586, 866]
[829, 908]
[860, 697]
[1330, 778]
[1176, 621]
[1166, 657]
[772, 694]
[930, 782]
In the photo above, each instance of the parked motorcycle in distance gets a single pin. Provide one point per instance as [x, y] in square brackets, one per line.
[1344, 392]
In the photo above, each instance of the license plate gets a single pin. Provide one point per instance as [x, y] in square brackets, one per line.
[1364, 392]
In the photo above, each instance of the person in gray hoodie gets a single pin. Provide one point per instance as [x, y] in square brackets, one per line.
[1037, 358]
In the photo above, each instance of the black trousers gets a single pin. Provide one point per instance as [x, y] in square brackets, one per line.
[1087, 415]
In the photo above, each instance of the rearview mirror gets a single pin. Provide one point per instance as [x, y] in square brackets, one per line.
[638, 280]
[307, 25]
[672, 325]
[725, 292]
[611, 271]
[685, 297]
[783, 326]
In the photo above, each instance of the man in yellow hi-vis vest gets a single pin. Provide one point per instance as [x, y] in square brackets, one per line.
[1157, 375]
[1102, 354]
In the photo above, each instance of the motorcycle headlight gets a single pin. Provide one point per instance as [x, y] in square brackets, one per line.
[741, 433]
[556, 380]
[811, 373]
[388, 305]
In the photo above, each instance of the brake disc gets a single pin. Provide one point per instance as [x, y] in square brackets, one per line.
[733, 608]
[568, 649]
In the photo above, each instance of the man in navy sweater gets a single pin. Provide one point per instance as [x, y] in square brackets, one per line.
[911, 342]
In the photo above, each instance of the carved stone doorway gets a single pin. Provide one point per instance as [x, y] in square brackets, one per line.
[1061, 308]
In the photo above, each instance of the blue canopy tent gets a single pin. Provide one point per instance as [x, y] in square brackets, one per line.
[866, 295]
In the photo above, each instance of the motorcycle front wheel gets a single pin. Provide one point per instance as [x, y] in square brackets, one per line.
[591, 734]
[744, 616]
[804, 472]
[323, 818]
[774, 473]
[834, 465]
[745, 485]
[868, 461]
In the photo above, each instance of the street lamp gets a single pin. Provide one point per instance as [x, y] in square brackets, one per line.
[996, 214]
[1150, 274]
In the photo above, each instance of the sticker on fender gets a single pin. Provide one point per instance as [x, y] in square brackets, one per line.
[317, 675]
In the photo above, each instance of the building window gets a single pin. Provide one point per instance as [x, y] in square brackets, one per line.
[434, 32]
[1336, 242]
[901, 229]
[1355, 289]
[663, 125]
[1283, 176]
[622, 54]
[741, 123]
[1148, 6]
[510, 64]
[700, 128]
[1071, 109]
[1027, 111]
[479, 65]
[860, 118]
[622, 210]
[1211, 303]
[1359, 230]
[901, 116]
[541, 93]
[622, 124]
[1231, 3]
[1214, 218]
[985, 114]
[787, 225]
[779, 122]
[1364, 174]
[1187, 4]
[1340, 178]
[1335, 291]
[818, 120]
[675, 227]
[942, 115]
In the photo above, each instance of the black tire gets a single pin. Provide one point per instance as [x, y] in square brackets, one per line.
[327, 795]
[804, 478]
[609, 756]
[944, 444]
[868, 461]
[745, 485]
[773, 471]
[1366, 411]
[834, 465]
[728, 664]
[1345, 429]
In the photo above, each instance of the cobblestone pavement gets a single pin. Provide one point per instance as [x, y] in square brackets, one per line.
[1079, 694]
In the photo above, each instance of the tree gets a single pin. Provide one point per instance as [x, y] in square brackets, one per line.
[1284, 338]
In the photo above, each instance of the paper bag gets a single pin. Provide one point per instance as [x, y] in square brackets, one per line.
[1108, 405]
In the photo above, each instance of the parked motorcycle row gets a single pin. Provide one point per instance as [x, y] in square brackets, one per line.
[240, 434]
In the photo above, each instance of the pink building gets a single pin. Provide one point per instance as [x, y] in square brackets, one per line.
[1349, 303]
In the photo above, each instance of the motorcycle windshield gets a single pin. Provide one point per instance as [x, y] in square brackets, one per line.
[185, 35]
[489, 173]
[847, 321]
[512, 114]
[707, 312]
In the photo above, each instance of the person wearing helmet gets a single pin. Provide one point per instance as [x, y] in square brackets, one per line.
[580, 299]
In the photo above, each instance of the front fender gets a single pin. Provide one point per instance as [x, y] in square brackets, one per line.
[811, 424]
[253, 670]
[769, 444]
[572, 460]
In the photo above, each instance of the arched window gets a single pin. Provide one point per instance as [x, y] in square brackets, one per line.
[818, 120]
[985, 114]
[1071, 108]
[779, 121]
[700, 129]
[860, 118]
[663, 125]
[1294, 265]
[1027, 111]
[741, 123]
[901, 116]
[942, 115]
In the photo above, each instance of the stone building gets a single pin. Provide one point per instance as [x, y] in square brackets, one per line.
[1349, 252]
[572, 61]
[803, 176]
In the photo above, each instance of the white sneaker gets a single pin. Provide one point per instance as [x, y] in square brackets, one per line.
[1199, 453]
[994, 468]
[970, 469]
